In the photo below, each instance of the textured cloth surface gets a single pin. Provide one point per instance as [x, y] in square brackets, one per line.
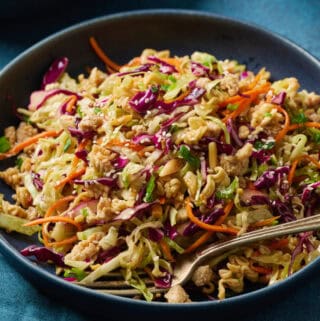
[25, 22]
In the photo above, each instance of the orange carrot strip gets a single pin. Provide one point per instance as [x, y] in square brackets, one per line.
[99, 52]
[292, 170]
[279, 244]
[166, 250]
[30, 141]
[243, 105]
[71, 103]
[205, 236]
[208, 227]
[49, 212]
[260, 269]
[70, 177]
[268, 221]
[255, 80]
[58, 203]
[256, 91]
[134, 62]
[69, 240]
[295, 164]
[131, 145]
[284, 130]
[54, 219]
[201, 240]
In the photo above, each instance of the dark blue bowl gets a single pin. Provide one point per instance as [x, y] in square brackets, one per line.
[123, 36]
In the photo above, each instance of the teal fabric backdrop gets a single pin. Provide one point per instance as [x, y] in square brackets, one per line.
[25, 22]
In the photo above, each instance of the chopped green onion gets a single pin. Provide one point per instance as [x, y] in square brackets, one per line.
[165, 87]
[4, 144]
[267, 115]
[232, 107]
[299, 118]
[154, 89]
[228, 192]
[67, 144]
[174, 245]
[149, 190]
[75, 273]
[263, 145]
[97, 110]
[185, 153]
[19, 162]
[79, 112]
[84, 212]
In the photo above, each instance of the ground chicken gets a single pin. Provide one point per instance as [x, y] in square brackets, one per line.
[104, 212]
[100, 158]
[172, 188]
[238, 164]
[203, 275]
[11, 176]
[87, 249]
[312, 115]
[10, 134]
[177, 295]
[230, 83]
[25, 131]
[90, 123]
[23, 197]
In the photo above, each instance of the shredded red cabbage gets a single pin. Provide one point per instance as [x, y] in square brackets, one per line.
[37, 181]
[82, 154]
[280, 98]
[128, 213]
[55, 71]
[137, 71]
[155, 234]
[233, 133]
[38, 98]
[164, 66]
[143, 100]
[106, 181]
[108, 255]
[270, 177]
[170, 231]
[79, 134]
[206, 218]
[244, 75]
[190, 100]
[163, 282]
[43, 254]
[198, 69]
[308, 190]
[120, 162]
[167, 123]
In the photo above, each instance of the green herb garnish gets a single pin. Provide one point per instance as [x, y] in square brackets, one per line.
[67, 144]
[185, 153]
[4, 144]
[232, 107]
[149, 190]
[228, 192]
[97, 110]
[75, 273]
[19, 162]
[299, 118]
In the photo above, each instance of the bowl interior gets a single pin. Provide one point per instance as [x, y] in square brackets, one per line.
[124, 36]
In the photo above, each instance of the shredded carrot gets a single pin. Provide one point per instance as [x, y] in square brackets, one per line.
[256, 91]
[256, 79]
[49, 212]
[201, 240]
[54, 219]
[131, 145]
[69, 240]
[292, 171]
[71, 103]
[279, 244]
[99, 52]
[134, 62]
[284, 130]
[32, 140]
[209, 227]
[260, 269]
[295, 164]
[266, 222]
[58, 203]
[243, 105]
[70, 177]
[205, 236]
[166, 250]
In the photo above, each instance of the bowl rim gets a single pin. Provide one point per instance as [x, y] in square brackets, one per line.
[8, 250]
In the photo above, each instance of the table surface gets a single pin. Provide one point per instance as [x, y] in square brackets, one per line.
[25, 22]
